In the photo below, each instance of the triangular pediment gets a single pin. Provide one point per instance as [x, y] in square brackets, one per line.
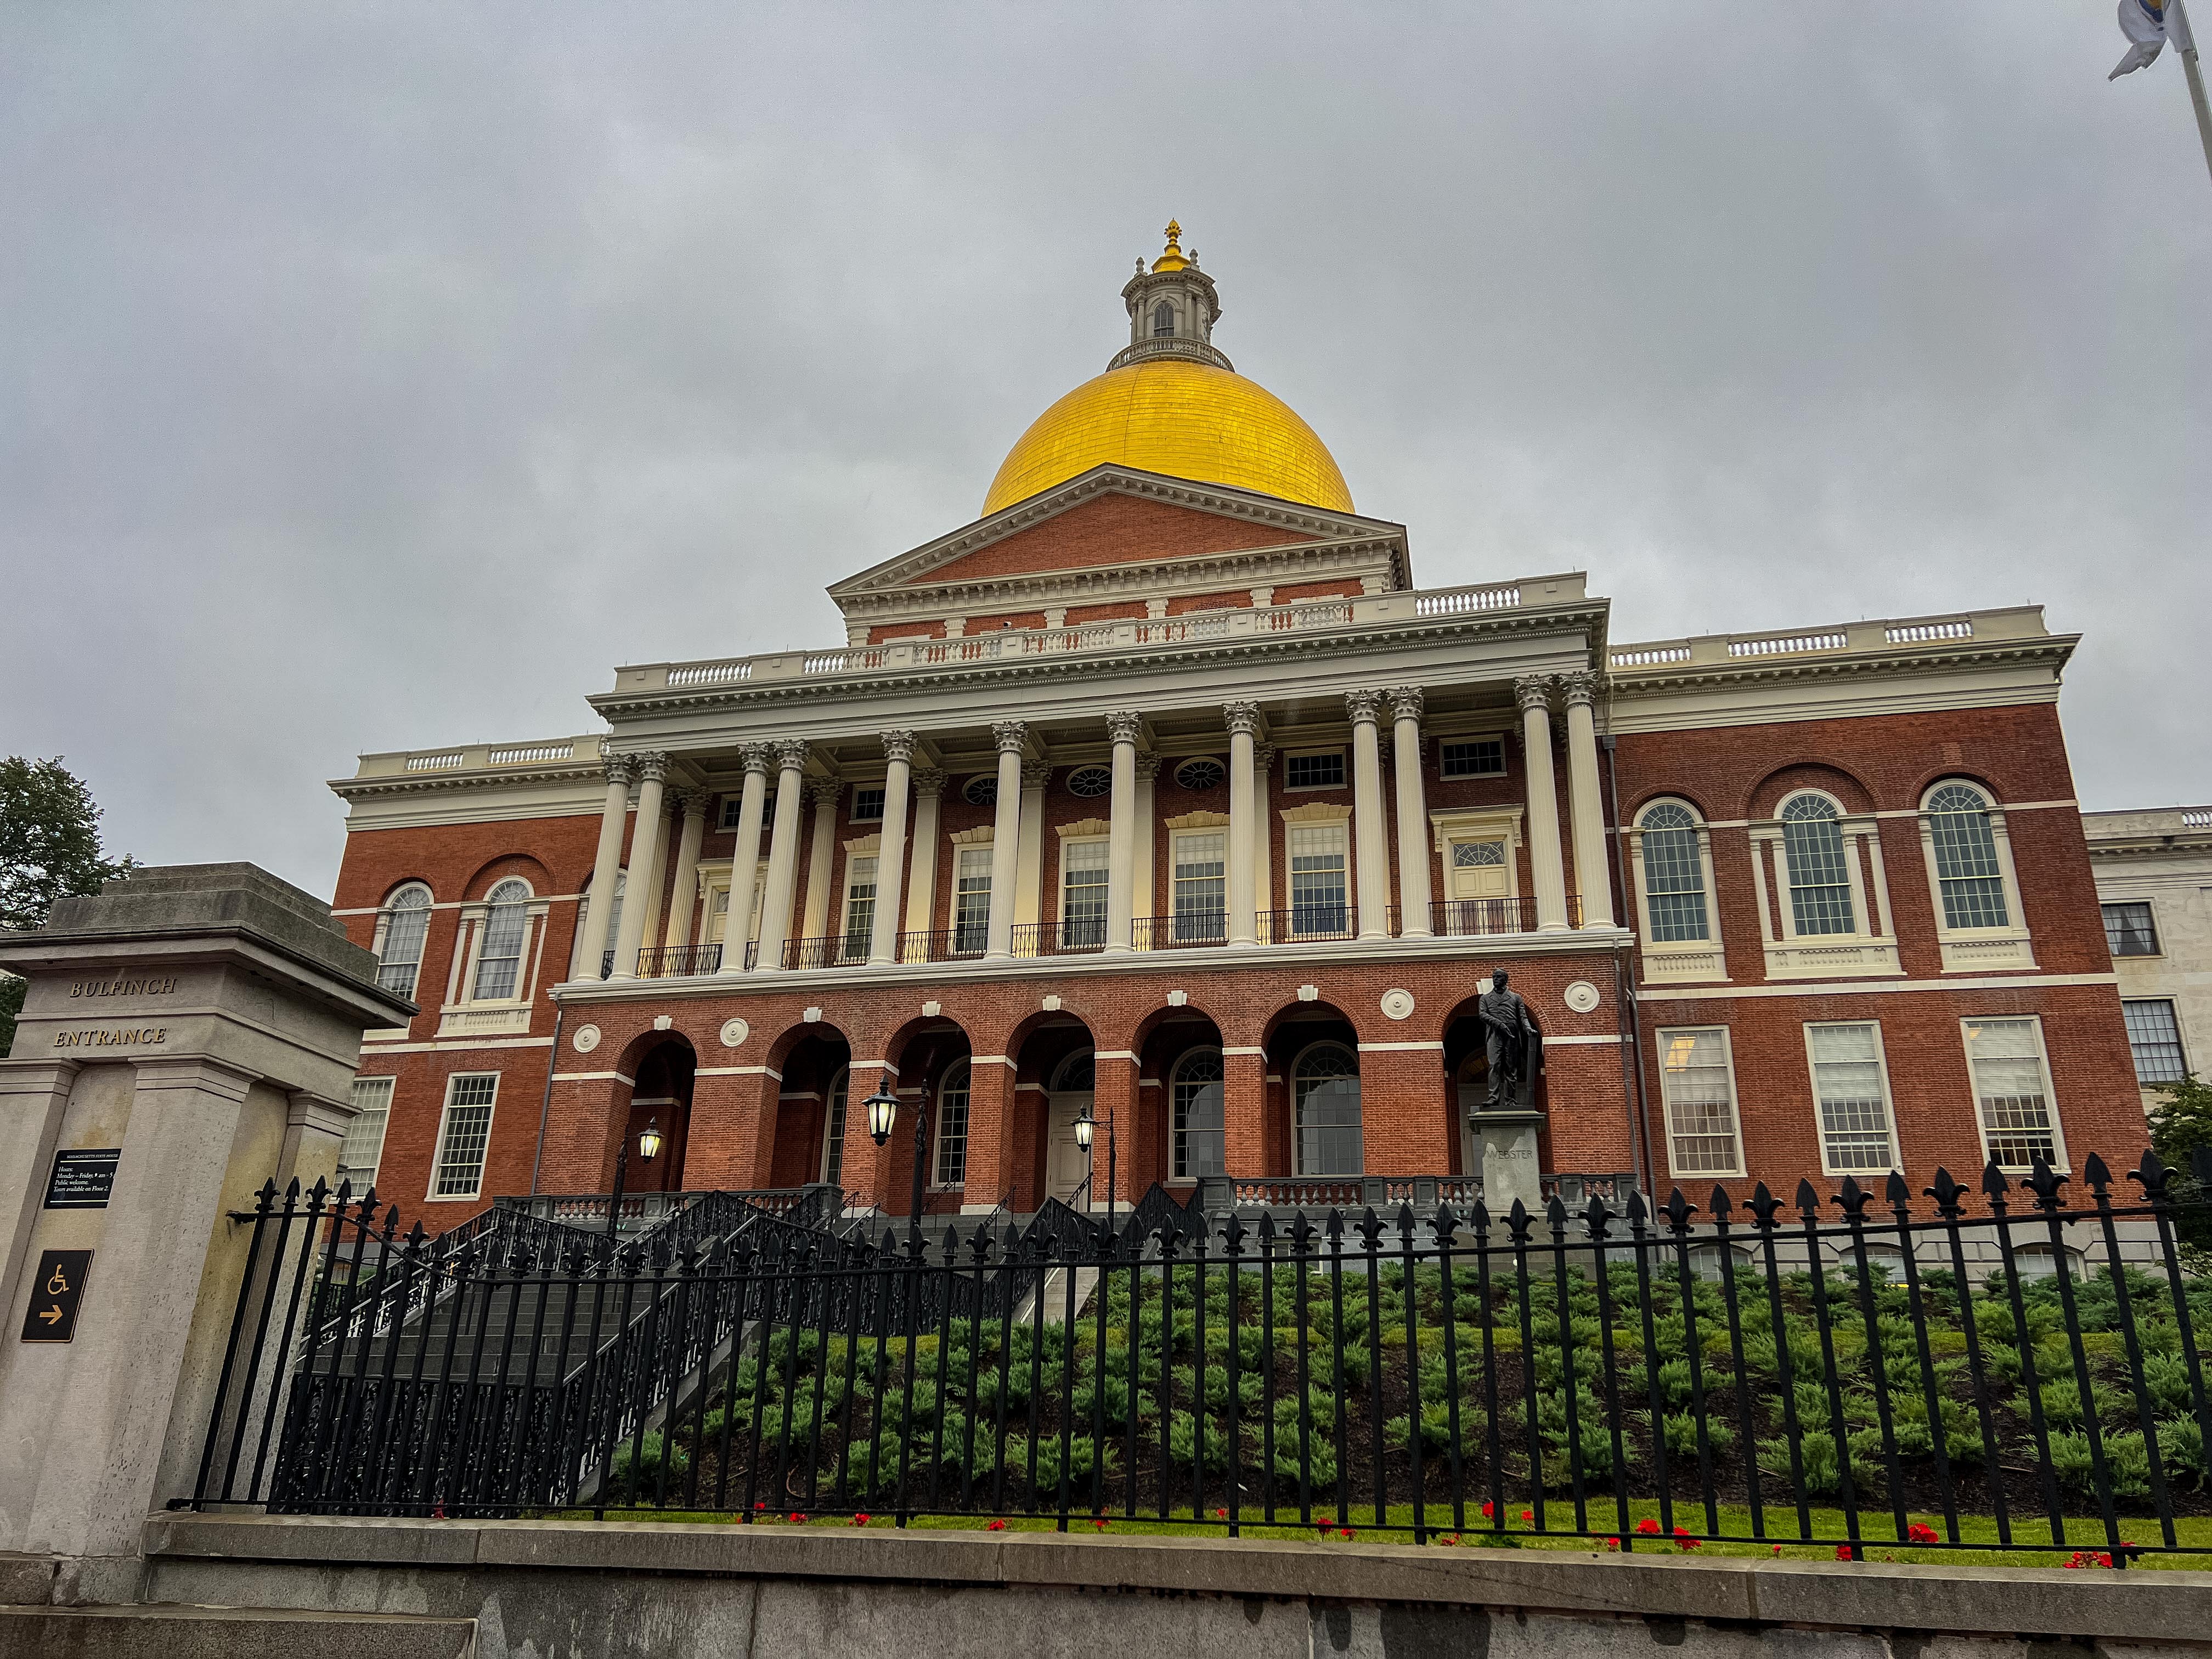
[1114, 516]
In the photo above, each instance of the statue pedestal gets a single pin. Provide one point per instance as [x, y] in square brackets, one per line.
[1510, 1166]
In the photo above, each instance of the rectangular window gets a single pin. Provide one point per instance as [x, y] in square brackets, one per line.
[971, 902]
[2155, 1036]
[1324, 770]
[2130, 929]
[833, 1135]
[1082, 892]
[363, 1147]
[1201, 888]
[859, 908]
[1478, 757]
[1850, 1089]
[951, 1163]
[732, 807]
[1319, 895]
[2012, 1092]
[867, 805]
[1696, 1085]
[464, 1131]
[1819, 876]
[1675, 883]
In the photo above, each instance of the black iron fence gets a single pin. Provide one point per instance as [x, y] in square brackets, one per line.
[2003, 1369]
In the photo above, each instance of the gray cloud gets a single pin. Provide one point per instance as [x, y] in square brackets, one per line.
[383, 377]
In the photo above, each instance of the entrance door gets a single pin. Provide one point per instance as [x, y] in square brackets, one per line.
[1480, 870]
[1065, 1161]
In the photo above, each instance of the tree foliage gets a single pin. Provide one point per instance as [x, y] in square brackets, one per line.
[2179, 1124]
[49, 841]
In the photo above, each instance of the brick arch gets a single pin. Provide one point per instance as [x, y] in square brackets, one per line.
[798, 1031]
[1767, 794]
[424, 882]
[490, 873]
[1634, 807]
[1306, 1011]
[1935, 775]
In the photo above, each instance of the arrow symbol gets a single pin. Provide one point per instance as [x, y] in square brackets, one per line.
[52, 1315]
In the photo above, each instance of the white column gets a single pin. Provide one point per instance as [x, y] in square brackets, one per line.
[656, 877]
[782, 856]
[1585, 806]
[744, 860]
[1413, 813]
[614, 818]
[921, 875]
[1029, 870]
[1148, 772]
[644, 851]
[685, 897]
[1263, 813]
[824, 794]
[1533, 692]
[1243, 721]
[1367, 818]
[1006, 838]
[891, 861]
[1123, 727]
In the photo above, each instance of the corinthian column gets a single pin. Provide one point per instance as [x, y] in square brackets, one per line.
[1243, 721]
[1413, 813]
[1533, 693]
[644, 862]
[685, 897]
[599, 904]
[1365, 707]
[884, 929]
[1585, 808]
[921, 880]
[1005, 839]
[745, 861]
[782, 854]
[1123, 727]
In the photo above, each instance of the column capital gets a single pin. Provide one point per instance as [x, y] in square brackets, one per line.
[1008, 736]
[791, 754]
[1241, 718]
[1581, 687]
[929, 781]
[823, 791]
[754, 757]
[693, 803]
[1036, 773]
[1366, 708]
[1407, 703]
[898, 746]
[620, 768]
[1533, 691]
[652, 765]
[1263, 757]
[1149, 763]
[1124, 726]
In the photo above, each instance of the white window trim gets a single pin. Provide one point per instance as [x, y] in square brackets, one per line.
[1067, 844]
[1978, 949]
[1888, 1104]
[1870, 949]
[844, 1075]
[1290, 1074]
[474, 917]
[1175, 1080]
[1672, 962]
[444, 1122]
[1660, 1033]
[714, 878]
[2157, 922]
[1290, 755]
[2180, 1032]
[2062, 1163]
[376, 1165]
[936, 1134]
[864, 847]
[384, 914]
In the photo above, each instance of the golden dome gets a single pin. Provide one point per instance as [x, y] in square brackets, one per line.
[1188, 420]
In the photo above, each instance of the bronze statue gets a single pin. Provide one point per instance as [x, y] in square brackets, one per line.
[1514, 1044]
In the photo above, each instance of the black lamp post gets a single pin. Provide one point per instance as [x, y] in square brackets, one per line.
[648, 1148]
[1085, 1127]
[883, 1114]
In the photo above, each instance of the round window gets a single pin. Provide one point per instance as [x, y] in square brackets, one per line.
[1203, 773]
[1089, 782]
[981, 791]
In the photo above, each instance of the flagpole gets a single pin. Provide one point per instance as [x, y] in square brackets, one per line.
[2195, 81]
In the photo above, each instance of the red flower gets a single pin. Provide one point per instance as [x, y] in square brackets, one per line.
[1685, 1539]
[1346, 1533]
[1647, 1525]
[437, 1511]
[1529, 1515]
[762, 1504]
[1221, 1515]
[1613, 1543]
[1844, 1552]
[1486, 1511]
[1920, 1534]
[1100, 1522]
[996, 1526]
[1327, 1528]
[1777, 1549]
[2104, 1560]
[797, 1519]
[859, 1520]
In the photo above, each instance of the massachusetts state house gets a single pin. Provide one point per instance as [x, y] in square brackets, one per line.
[1163, 792]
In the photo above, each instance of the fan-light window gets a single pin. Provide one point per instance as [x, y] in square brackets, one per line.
[1673, 873]
[1203, 772]
[1091, 781]
[1198, 1129]
[981, 791]
[499, 958]
[1966, 868]
[406, 926]
[1163, 319]
[1326, 1092]
[1819, 877]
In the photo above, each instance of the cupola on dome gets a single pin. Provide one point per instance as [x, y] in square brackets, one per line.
[1170, 403]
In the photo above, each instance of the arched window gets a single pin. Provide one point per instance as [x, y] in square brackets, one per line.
[1163, 320]
[498, 957]
[1819, 876]
[833, 1132]
[1197, 1134]
[1325, 1089]
[1674, 872]
[1077, 1074]
[406, 926]
[1968, 872]
[949, 1163]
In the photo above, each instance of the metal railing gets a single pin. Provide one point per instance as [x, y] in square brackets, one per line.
[1084, 936]
[1304, 923]
[1830, 1373]
[943, 944]
[827, 950]
[1475, 918]
[675, 961]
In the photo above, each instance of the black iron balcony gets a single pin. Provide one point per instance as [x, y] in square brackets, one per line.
[675, 961]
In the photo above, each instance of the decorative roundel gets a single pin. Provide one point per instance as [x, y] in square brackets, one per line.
[1582, 996]
[1398, 1004]
[734, 1033]
[981, 791]
[1089, 782]
[1203, 772]
[586, 1038]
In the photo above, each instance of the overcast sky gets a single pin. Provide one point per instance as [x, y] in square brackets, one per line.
[379, 378]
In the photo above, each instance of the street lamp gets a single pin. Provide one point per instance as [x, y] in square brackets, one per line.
[883, 1110]
[648, 1148]
[1086, 1126]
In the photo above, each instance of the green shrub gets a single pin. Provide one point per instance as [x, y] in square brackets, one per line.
[644, 1456]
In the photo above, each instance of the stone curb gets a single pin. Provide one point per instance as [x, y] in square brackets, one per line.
[1989, 1600]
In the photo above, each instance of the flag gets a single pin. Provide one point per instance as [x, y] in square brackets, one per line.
[2148, 24]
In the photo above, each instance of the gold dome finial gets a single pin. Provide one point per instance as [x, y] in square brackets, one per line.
[1172, 260]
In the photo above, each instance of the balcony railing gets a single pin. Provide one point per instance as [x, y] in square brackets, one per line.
[1304, 923]
[945, 945]
[1084, 936]
[675, 961]
[1193, 929]
[1475, 918]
